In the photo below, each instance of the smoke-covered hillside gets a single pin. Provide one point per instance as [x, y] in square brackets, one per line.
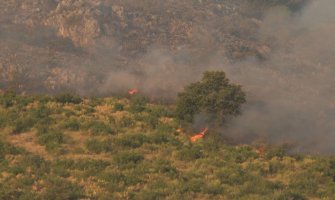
[281, 52]
[49, 46]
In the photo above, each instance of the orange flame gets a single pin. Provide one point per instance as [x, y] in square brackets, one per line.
[260, 150]
[132, 91]
[199, 135]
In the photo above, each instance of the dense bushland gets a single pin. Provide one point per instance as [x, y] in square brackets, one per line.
[114, 148]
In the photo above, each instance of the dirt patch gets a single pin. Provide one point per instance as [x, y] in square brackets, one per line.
[28, 142]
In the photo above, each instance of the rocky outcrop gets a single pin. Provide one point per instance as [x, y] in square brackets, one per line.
[57, 43]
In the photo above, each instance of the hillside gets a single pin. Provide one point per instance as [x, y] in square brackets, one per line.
[79, 45]
[259, 125]
[65, 147]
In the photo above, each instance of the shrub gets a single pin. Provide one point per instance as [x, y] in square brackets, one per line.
[91, 165]
[41, 114]
[99, 127]
[291, 196]
[193, 185]
[72, 124]
[118, 107]
[96, 146]
[233, 175]
[68, 98]
[126, 158]
[151, 120]
[275, 167]
[60, 189]
[126, 122]
[95, 101]
[164, 128]
[165, 167]
[163, 137]
[156, 190]
[190, 153]
[50, 138]
[6, 148]
[244, 153]
[160, 112]
[3, 120]
[22, 124]
[131, 140]
[7, 100]
[36, 163]
[279, 152]
[137, 104]
[159, 138]
[133, 178]
[16, 170]
[60, 170]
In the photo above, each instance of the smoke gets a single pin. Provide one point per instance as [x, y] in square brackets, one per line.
[288, 76]
[291, 94]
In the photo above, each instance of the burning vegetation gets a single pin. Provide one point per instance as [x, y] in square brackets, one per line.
[102, 148]
[144, 59]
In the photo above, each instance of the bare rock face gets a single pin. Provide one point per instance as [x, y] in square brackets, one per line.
[48, 45]
[76, 20]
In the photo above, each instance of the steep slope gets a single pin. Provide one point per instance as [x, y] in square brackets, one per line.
[54, 45]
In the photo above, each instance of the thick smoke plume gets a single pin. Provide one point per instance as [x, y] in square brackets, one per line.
[291, 94]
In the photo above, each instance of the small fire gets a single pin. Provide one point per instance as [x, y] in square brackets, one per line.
[199, 135]
[260, 150]
[132, 91]
[179, 130]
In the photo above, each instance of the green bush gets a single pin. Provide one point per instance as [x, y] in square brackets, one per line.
[164, 167]
[193, 185]
[275, 167]
[90, 165]
[128, 158]
[41, 114]
[60, 170]
[36, 164]
[291, 196]
[60, 189]
[233, 175]
[160, 111]
[190, 153]
[51, 138]
[22, 125]
[244, 153]
[98, 127]
[151, 120]
[96, 146]
[126, 122]
[95, 101]
[67, 98]
[278, 152]
[118, 107]
[8, 99]
[6, 148]
[72, 124]
[131, 140]
[156, 190]
[137, 104]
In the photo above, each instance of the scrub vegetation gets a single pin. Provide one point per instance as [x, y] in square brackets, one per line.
[67, 147]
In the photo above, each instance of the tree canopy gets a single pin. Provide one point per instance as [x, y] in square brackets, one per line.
[214, 95]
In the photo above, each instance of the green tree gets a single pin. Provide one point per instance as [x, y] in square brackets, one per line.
[213, 95]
